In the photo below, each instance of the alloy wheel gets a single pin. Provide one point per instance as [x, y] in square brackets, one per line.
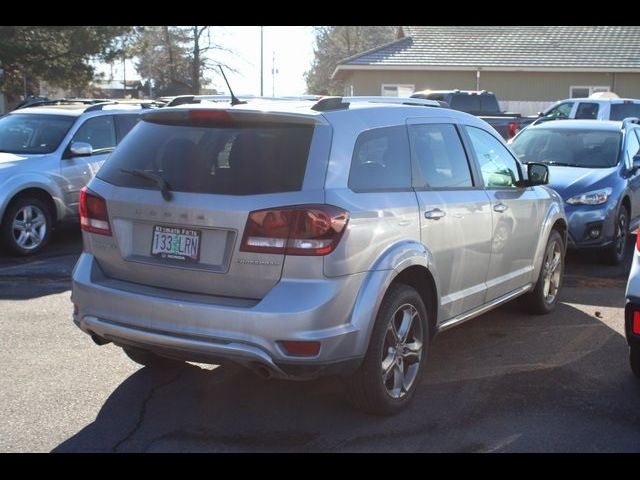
[402, 351]
[29, 227]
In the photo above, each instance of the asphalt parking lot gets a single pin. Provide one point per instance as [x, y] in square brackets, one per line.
[504, 382]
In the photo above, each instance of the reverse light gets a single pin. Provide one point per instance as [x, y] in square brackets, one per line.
[93, 213]
[596, 197]
[297, 230]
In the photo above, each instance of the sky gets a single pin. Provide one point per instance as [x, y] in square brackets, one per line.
[290, 47]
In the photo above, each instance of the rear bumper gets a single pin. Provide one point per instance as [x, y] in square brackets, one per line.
[153, 319]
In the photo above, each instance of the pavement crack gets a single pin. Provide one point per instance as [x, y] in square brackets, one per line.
[143, 410]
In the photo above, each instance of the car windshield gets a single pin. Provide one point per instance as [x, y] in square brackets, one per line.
[33, 133]
[569, 147]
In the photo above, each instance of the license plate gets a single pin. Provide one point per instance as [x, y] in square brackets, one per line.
[176, 243]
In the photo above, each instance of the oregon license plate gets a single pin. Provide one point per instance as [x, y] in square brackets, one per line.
[176, 243]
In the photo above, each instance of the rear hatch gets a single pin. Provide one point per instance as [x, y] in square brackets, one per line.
[217, 166]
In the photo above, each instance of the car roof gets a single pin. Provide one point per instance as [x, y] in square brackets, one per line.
[601, 100]
[75, 110]
[609, 125]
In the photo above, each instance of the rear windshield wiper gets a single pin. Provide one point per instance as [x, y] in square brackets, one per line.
[563, 164]
[152, 177]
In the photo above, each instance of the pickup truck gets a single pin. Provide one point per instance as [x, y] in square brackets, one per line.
[483, 105]
[592, 109]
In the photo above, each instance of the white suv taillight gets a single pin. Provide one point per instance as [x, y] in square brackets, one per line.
[93, 213]
[297, 230]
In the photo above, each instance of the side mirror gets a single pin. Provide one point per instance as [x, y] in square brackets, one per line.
[540, 114]
[636, 162]
[80, 149]
[538, 174]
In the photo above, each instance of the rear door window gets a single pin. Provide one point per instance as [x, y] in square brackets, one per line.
[381, 161]
[124, 124]
[620, 111]
[587, 111]
[240, 159]
[439, 158]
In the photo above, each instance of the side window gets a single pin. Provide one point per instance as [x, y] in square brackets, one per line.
[124, 124]
[587, 111]
[439, 159]
[498, 167]
[562, 111]
[381, 160]
[633, 146]
[99, 132]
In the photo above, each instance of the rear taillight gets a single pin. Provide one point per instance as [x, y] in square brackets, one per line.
[93, 213]
[512, 129]
[297, 230]
[635, 326]
[638, 241]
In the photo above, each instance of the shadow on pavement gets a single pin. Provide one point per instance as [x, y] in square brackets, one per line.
[502, 382]
[45, 273]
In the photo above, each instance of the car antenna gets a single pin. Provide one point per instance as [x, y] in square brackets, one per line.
[234, 100]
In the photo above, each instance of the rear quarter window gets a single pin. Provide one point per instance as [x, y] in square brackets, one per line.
[243, 159]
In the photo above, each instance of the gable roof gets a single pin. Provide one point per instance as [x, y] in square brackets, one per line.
[563, 48]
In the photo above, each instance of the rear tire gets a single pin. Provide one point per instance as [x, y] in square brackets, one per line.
[634, 360]
[151, 360]
[615, 253]
[387, 379]
[27, 225]
[543, 298]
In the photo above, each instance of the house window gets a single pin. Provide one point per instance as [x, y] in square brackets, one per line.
[394, 90]
[586, 91]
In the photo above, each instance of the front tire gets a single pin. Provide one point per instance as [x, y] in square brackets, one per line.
[151, 360]
[27, 225]
[616, 252]
[387, 379]
[634, 360]
[543, 298]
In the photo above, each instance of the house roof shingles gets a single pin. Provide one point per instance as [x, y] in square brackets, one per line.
[584, 47]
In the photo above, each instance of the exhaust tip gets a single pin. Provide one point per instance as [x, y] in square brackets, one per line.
[262, 370]
[99, 340]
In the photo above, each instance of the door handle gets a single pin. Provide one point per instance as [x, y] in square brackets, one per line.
[435, 214]
[500, 207]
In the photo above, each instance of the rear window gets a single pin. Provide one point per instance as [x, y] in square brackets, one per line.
[236, 160]
[620, 111]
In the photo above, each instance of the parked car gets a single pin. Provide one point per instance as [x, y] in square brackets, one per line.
[594, 166]
[482, 104]
[592, 109]
[311, 238]
[632, 312]
[47, 154]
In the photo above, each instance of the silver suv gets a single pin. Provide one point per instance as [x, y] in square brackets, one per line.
[47, 154]
[311, 238]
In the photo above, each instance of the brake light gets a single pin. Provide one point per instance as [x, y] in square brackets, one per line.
[93, 213]
[297, 230]
[512, 129]
[209, 116]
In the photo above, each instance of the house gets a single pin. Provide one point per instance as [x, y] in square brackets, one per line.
[526, 66]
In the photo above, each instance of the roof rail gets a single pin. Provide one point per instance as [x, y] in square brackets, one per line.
[629, 120]
[60, 101]
[340, 103]
[143, 104]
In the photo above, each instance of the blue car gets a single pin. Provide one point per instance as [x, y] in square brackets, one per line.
[595, 166]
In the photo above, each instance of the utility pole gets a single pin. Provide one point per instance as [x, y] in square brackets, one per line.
[261, 61]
